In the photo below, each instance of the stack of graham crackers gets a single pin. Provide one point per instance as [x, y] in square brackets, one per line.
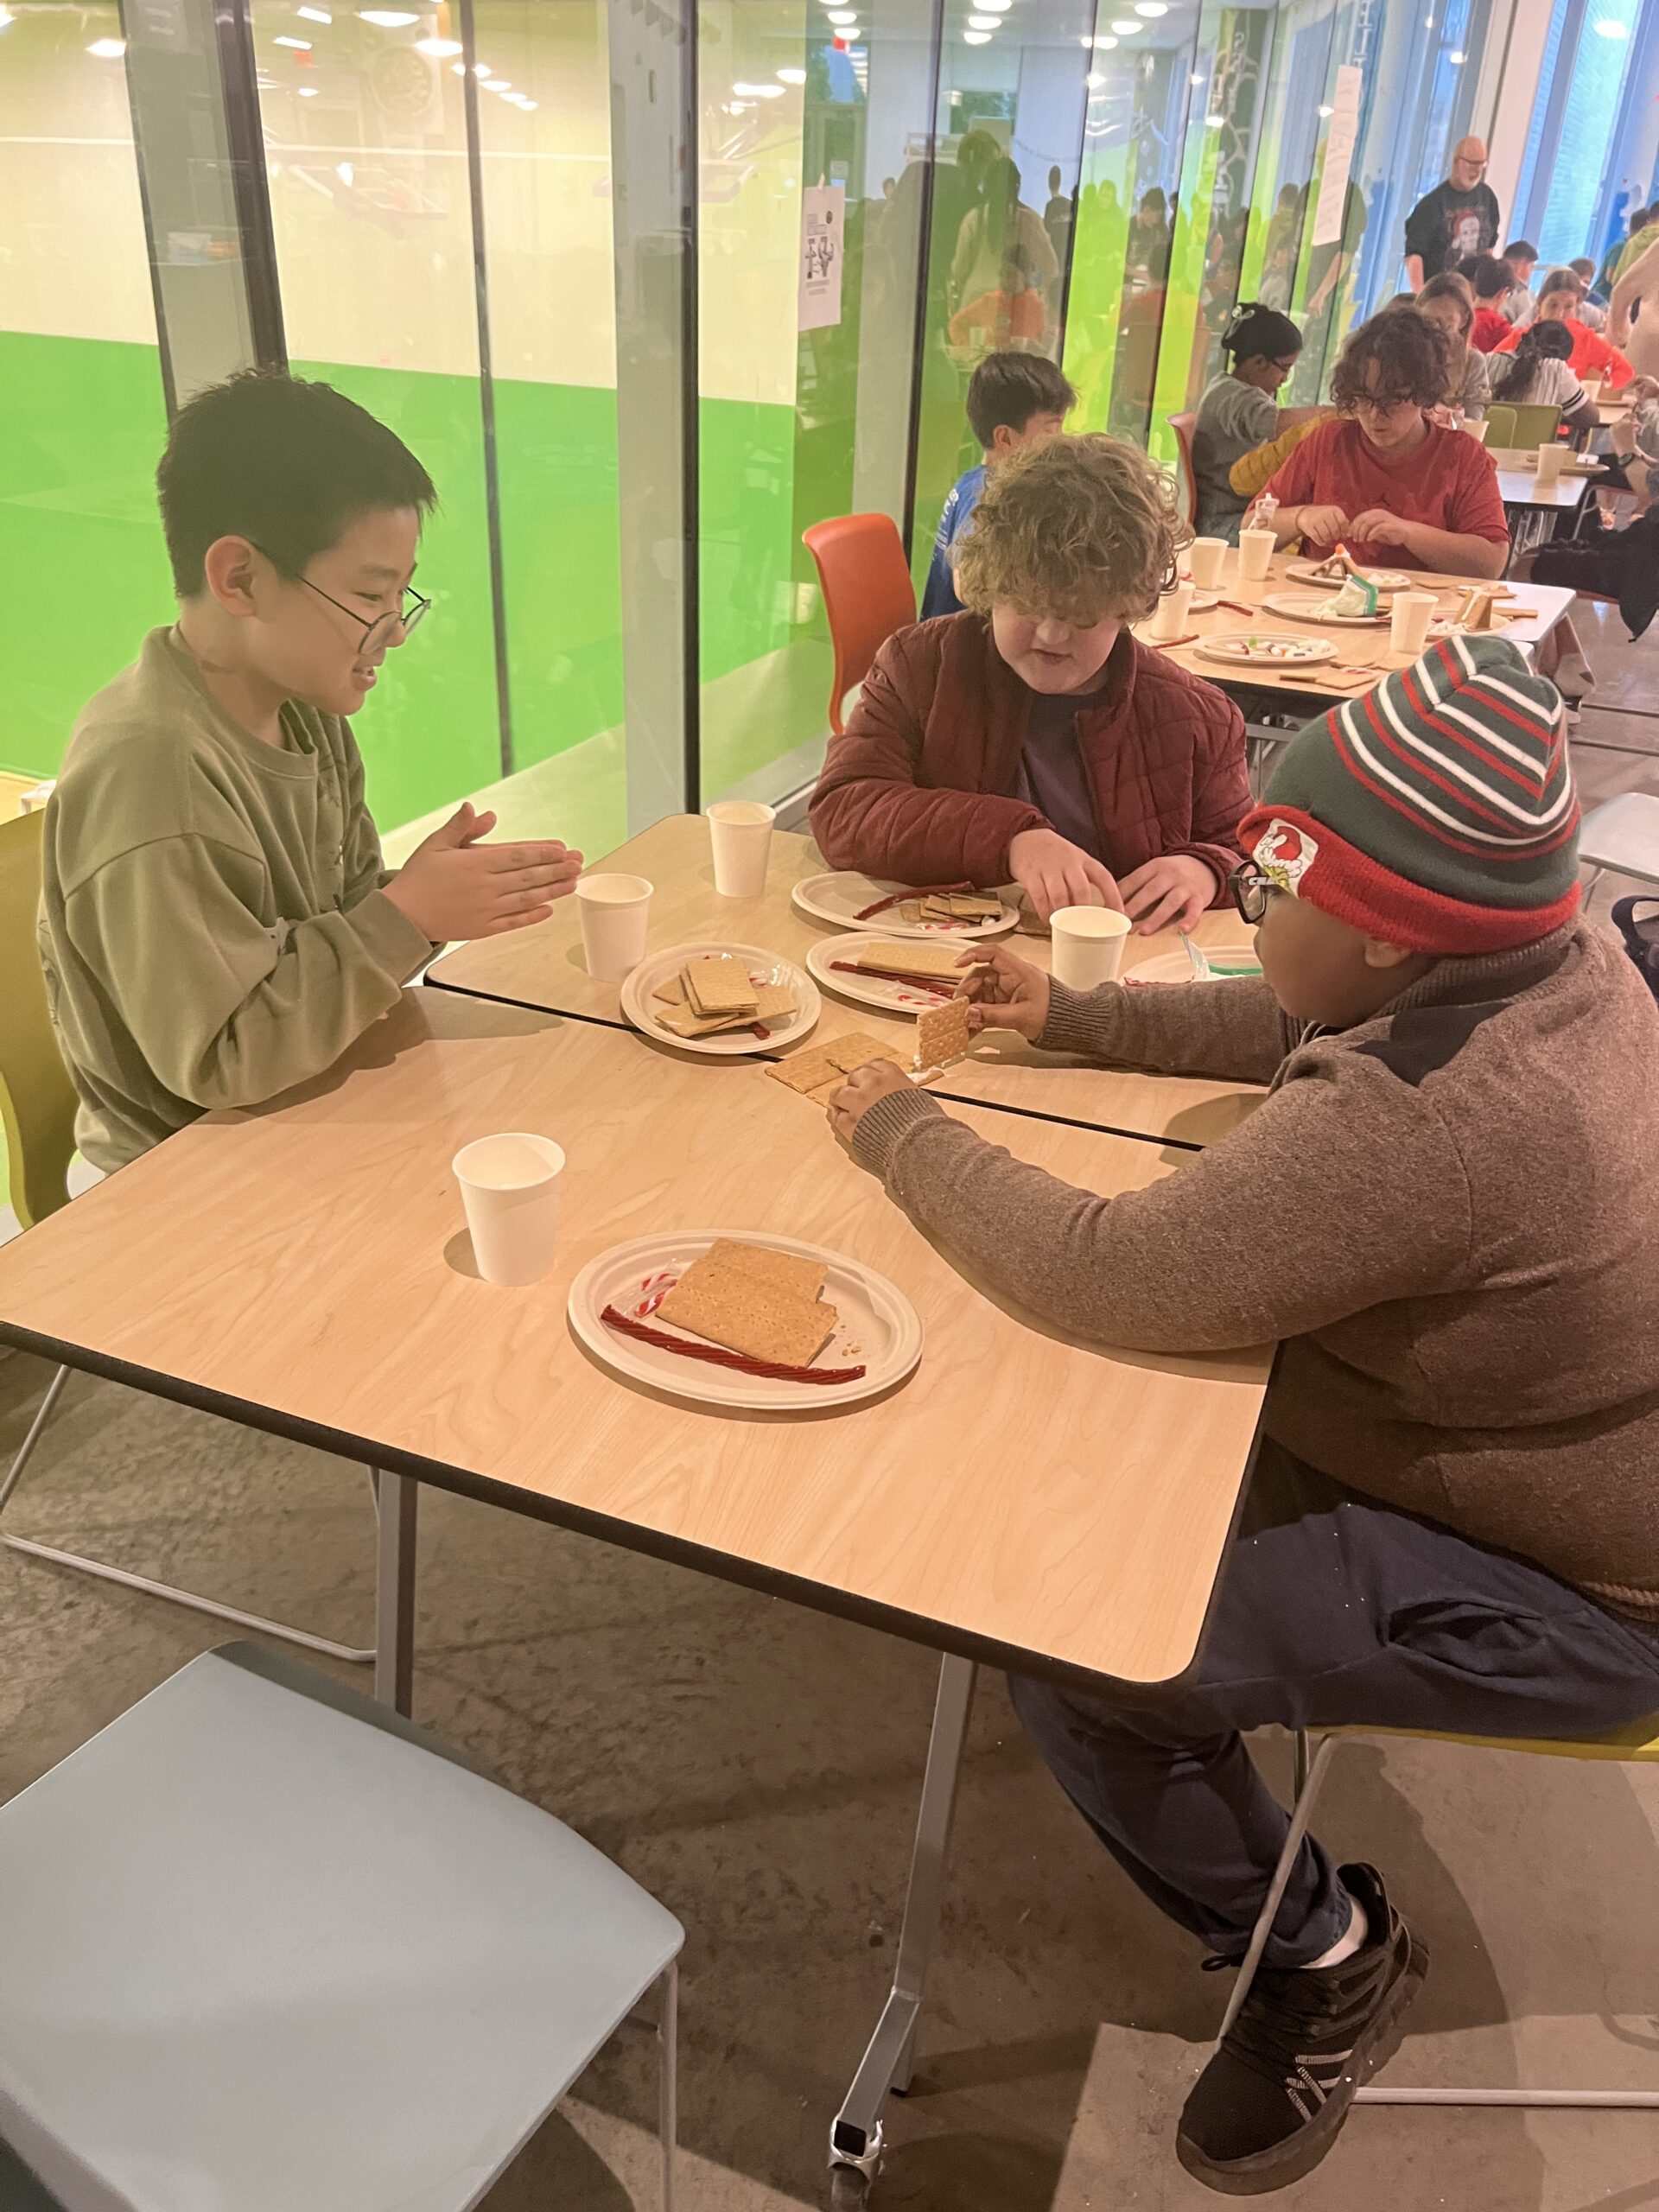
[823, 1069]
[716, 992]
[764, 1304]
[906, 958]
[954, 907]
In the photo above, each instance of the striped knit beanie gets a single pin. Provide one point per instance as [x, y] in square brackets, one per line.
[1436, 811]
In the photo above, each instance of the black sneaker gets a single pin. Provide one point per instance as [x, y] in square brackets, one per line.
[1270, 2103]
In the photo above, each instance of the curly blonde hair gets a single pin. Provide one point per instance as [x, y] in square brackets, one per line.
[1075, 530]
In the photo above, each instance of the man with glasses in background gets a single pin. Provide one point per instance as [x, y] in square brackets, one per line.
[1459, 217]
[216, 922]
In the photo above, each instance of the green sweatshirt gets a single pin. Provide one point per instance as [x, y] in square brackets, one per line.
[213, 924]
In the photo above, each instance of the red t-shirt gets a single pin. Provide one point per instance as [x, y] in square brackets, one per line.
[1592, 355]
[1449, 482]
[1489, 330]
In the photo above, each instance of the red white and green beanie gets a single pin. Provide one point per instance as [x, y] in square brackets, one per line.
[1437, 811]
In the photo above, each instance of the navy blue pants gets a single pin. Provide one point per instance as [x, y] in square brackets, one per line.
[1332, 1610]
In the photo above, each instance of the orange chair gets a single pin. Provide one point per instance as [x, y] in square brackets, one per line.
[1183, 425]
[867, 593]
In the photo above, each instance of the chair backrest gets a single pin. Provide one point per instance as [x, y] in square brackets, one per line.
[1500, 426]
[37, 1100]
[867, 593]
[1183, 426]
[1532, 426]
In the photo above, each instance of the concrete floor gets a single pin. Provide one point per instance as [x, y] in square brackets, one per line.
[756, 1766]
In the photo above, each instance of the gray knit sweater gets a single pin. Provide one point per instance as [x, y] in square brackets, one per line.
[1450, 1214]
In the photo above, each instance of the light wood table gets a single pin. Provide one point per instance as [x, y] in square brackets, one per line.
[543, 968]
[1023, 1497]
[1363, 656]
[1518, 485]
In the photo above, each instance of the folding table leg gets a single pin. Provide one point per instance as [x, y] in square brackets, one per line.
[856, 2135]
[394, 1596]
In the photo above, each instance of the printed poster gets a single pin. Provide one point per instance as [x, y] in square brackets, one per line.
[1338, 156]
[823, 239]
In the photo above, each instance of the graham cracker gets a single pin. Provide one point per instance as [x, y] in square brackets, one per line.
[728, 1307]
[910, 958]
[718, 985]
[773, 1001]
[805, 1071]
[975, 905]
[942, 1033]
[672, 992]
[856, 1050]
[680, 1021]
[785, 1271]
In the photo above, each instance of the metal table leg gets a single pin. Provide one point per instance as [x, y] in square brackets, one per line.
[855, 2134]
[396, 1497]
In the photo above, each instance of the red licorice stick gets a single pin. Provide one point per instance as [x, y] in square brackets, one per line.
[1237, 606]
[897, 897]
[717, 1354]
[894, 976]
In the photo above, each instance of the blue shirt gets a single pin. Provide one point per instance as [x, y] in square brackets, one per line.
[940, 596]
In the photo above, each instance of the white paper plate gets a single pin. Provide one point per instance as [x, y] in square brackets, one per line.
[840, 899]
[731, 1044]
[1311, 606]
[1176, 967]
[1233, 649]
[1306, 572]
[868, 990]
[1202, 601]
[879, 1329]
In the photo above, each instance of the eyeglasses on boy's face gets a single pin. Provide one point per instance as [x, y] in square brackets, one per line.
[1383, 403]
[379, 631]
[1251, 890]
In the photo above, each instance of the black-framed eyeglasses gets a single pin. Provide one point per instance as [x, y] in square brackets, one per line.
[1249, 888]
[378, 629]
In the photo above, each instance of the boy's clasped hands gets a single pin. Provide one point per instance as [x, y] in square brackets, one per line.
[452, 886]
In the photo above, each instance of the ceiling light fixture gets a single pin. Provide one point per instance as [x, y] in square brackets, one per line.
[300, 45]
[1456, 60]
[1125, 27]
[308, 92]
[344, 172]
[314, 14]
[976, 38]
[758, 91]
[1094, 81]
[1327, 111]
[1214, 122]
[984, 23]
[497, 84]
[1610, 27]
[791, 76]
[387, 19]
[1152, 8]
[108, 49]
[439, 49]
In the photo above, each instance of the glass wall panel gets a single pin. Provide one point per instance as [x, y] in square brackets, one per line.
[366, 148]
[85, 571]
[1009, 126]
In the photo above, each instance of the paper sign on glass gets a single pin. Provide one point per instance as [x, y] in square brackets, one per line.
[823, 238]
[1338, 156]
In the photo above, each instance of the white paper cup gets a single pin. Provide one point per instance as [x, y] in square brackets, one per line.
[1206, 556]
[615, 912]
[1088, 944]
[1255, 555]
[1592, 388]
[1550, 458]
[1477, 430]
[509, 1187]
[1169, 616]
[740, 830]
[1408, 626]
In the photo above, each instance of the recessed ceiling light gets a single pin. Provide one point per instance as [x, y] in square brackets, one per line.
[387, 19]
[758, 91]
[458, 69]
[1610, 27]
[1126, 26]
[1103, 44]
[300, 45]
[844, 18]
[483, 69]
[497, 84]
[439, 49]
[1327, 111]
[108, 49]
[344, 172]
[314, 14]
[1152, 8]
[791, 76]
[976, 38]
[1214, 122]
[308, 92]
[984, 22]
[1094, 81]
[1456, 60]
[520, 101]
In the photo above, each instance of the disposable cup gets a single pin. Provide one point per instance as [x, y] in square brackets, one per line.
[1255, 555]
[1477, 430]
[1206, 556]
[1408, 626]
[1592, 388]
[510, 1188]
[1087, 944]
[615, 912]
[1169, 616]
[1550, 458]
[740, 830]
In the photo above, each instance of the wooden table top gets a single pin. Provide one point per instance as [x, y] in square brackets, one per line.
[1533, 611]
[303, 1267]
[1518, 485]
[543, 968]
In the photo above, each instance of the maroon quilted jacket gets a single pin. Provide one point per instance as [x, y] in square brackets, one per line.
[918, 789]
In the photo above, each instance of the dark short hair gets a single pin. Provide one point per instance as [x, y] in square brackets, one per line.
[1413, 357]
[1638, 216]
[1452, 284]
[1520, 250]
[1007, 389]
[1491, 277]
[282, 462]
[1581, 265]
[1561, 280]
[1257, 330]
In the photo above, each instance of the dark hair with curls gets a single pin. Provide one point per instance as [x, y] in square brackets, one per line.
[1413, 357]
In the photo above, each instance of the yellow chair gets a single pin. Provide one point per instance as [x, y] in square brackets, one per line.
[1633, 1746]
[1500, 426]
[37, 1105]
[1533, 426]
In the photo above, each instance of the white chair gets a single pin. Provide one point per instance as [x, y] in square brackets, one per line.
[1621, 837]
[268, 1948]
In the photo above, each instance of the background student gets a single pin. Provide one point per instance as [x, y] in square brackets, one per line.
[216, 922]
[1014, 400]
[1236, 414]
[1448, 302]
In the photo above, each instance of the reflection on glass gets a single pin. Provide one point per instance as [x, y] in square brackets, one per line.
[80, 387]
[367, 157]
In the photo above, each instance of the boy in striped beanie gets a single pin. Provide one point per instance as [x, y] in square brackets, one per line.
[1446, 1207]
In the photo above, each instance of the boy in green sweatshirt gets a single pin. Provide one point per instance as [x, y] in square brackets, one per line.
[216, 924]
[1445, 1208]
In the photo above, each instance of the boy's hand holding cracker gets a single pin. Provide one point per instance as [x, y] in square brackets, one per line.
[848, 1105]
[454, 886]
[1004, 992]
